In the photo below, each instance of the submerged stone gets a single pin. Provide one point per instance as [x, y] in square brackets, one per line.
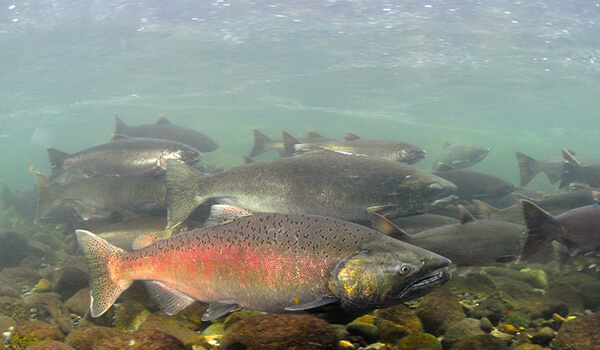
[438, 310]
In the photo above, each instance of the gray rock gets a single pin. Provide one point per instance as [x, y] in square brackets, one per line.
[461, 330]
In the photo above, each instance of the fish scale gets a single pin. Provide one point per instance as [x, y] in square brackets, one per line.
[268, 262]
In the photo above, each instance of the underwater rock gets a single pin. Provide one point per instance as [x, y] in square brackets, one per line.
[481, 342]
[530, 347]
[50, 309]
[19, 278]
[14, 308]
[493, 308]
[580, 333]
[396, 322]
[269, 331]
[516, 319]
[419, 341]
[438, 310]
[105, 338]
[486, 325]
[68, 281]
[130, 315]
[36, 330]
[189, 318]
[534, 277]
[539, 306]
[568, 295]
[543, 336]
[214, 329]
[13, 249]
[43, 286]
[369, 332]
[79, 303]
[461, 330]
[587, 286]
[476, 284]
[238, 316]
[186, 336]
[49, 345]
[514, 288]
[9, 292]
[6, 322]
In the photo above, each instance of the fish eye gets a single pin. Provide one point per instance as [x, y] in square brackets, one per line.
[404, 269]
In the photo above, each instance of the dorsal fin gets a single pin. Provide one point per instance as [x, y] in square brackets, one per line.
[446, 144]
[120, 125]
[351, 136]
[518, 196]
[114, 137]
[288, 143]
[569, 157]
[141, 242]
[571, 151]
[441, 166]
[485, 210]
[381, 224]
[311, 134]
[465, 215]
[163, 120]
[221, 214]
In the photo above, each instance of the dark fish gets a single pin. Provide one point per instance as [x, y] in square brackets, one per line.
[124, 156]
[324, 182]
[164, 129]
[469, 243]
[578, 229]
[104, 193]
[512, 214]
[474, 184]
[460, 155]
[353, 144]
[269, 262]
[578, 195]
[529, 167]
[574, 171]
[263, 143]
[422, 222]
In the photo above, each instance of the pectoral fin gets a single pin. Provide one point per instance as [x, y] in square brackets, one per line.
[219, 309]
[313, 304]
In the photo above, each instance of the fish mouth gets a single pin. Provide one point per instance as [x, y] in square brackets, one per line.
[427, 283]
[412, 156]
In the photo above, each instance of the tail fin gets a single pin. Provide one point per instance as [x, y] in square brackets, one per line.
[120, 126]
[289, 144]
[104, 287]
[7, 197]
[57, 159]
[183, 190]
[571, 169]
[260, 139]
[527, 168]
[542, 227]
[47, 198]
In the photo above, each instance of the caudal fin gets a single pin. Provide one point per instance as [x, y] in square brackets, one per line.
[57, 159]
[260, 140]
[571, 169]
[105, 287]
[47, 196]
[542, 229]
[183, 191]
[527, 168]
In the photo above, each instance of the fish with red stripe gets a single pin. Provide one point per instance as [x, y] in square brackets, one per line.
[271, 262]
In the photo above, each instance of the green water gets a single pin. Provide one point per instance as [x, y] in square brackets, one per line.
[512, 76]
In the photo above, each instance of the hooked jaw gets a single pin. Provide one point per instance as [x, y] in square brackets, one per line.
[429, 281]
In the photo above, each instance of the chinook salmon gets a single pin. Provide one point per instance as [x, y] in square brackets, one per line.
[574, 171]
[269, 262]
[104, 193]
[578, 229]
[474, 184]
[353, 144]
[323, 183]
[123, 156]
[460, 155]
[164, 129]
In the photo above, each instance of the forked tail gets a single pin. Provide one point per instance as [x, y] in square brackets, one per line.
[105, 286]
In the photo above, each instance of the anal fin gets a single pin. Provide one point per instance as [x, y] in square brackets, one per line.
[169, 300]
[313, 304]
[219, 309]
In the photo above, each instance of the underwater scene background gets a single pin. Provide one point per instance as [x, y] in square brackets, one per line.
[511, 76]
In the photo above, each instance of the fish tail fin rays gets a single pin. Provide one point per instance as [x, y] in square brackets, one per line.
[105, 288]
[183, 187]
[289, 144]
[527, 168]
[570, 168]
[46, 197]
[260, 142]
[120, 125]
[57, 159]
[542, 227]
